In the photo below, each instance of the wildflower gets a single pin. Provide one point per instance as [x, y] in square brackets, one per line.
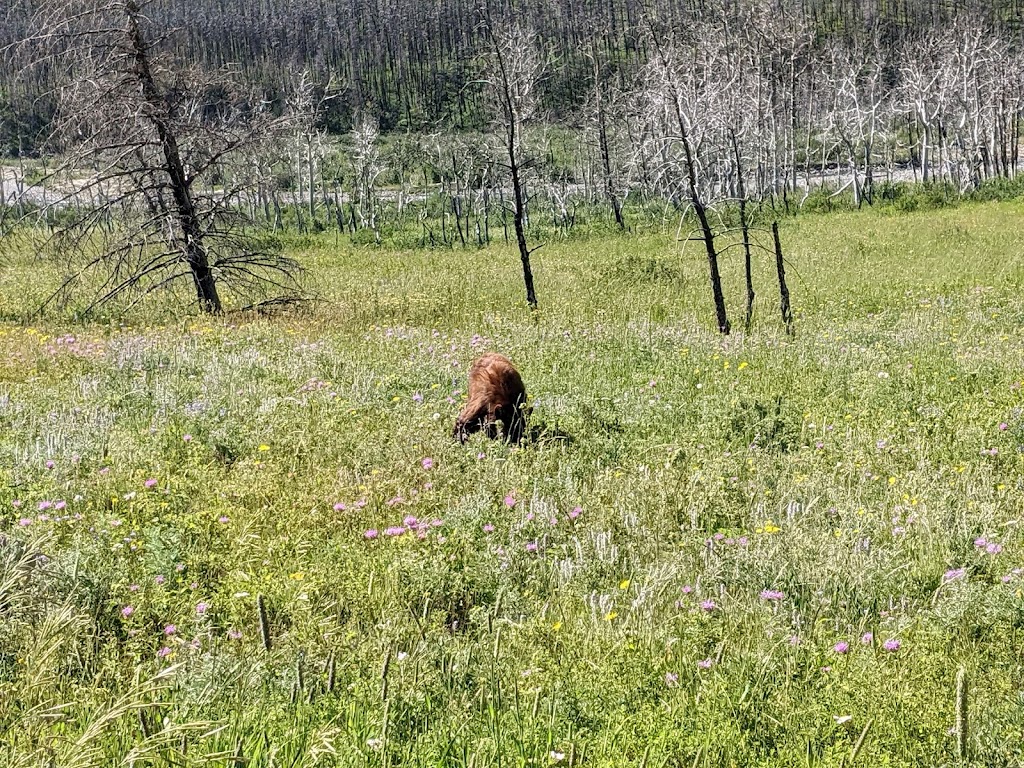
[410, 521]
[25, 521]
[624, 584]
[133, 587]
[339, 507]
[687, 589]
[671, 679]
[481, 455]
[891, 645]
[264, 448]
[954, 574]
[772, 595]
[45, 505]
[556, 757]
[151, 482]
[164, 652]
[866, 638]
[179, 567]
[417, 398]
[186, 438]
[127, 611]
[160, 579]
[794, 640]
[531, 546]
[841, 647]
[510, 500]
[371, 533]
[708, 605]
[394, 530]
[374, 743]
[610, 616]
[436, 523]
[993, 548]
[556, 626]
[16, 503]
[297, 576]
[202, 608]
[170, 629]
[234, 634]
[705, 663]
[427, 463]
[981, 542]
[488, 528]
[50, 464]
[1003, 426]
[60, 504]
[575, 512]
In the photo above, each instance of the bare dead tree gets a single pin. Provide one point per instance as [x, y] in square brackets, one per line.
[367, 166]
[780, 270]
[514, 70]
[680, 96]
[306, 105]
[601, 121]
[143, 144]
[745, 231]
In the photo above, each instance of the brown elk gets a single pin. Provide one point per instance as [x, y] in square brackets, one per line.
[496, 393]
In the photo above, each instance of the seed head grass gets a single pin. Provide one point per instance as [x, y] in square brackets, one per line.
[253, 541]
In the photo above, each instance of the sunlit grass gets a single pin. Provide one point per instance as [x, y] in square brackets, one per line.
[665, 575]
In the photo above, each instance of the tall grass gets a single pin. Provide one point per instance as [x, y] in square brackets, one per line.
[714, 551]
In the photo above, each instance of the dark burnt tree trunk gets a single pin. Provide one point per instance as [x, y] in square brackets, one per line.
[745, 227]
[780, 268]
[707, 233]
[513, 82]
[191, 233]
[519, 217]
[602, 139]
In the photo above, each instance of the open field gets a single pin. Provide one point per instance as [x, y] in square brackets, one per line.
[742, 551]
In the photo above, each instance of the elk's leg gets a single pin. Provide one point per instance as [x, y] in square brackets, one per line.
[490, 425]
[470, 420]
[515, 423]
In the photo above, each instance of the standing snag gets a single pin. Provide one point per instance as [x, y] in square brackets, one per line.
[156, 165]
[515, 70]
[496, 393]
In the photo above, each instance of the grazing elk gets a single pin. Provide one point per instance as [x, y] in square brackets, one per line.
[496, 393]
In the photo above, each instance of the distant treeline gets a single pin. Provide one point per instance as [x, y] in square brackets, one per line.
[413, 63]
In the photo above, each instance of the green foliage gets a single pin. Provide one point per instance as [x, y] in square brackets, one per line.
[663, 575]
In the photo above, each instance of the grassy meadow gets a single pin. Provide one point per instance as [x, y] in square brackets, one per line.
[739, 551]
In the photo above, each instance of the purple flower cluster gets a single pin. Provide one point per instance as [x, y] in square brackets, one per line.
[728, 541]
[410, 524]
[990, 547]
